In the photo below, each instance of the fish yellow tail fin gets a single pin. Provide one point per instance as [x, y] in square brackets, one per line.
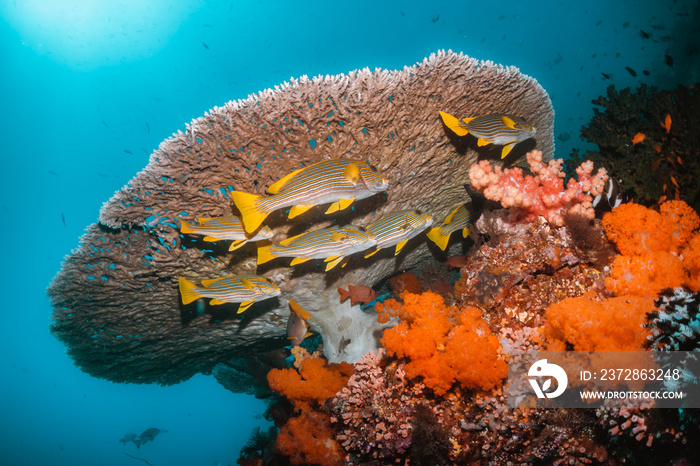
[185, 227]
[188, 291]
[454, 124]
[437, 238]
[247, 205]
[264, 254]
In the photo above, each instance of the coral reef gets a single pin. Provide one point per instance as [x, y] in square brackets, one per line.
[665, 165]
[115, 300]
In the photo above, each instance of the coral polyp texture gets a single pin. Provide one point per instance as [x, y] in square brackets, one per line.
[116, 304]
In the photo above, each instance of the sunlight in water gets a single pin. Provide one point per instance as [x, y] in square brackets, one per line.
[87, 34]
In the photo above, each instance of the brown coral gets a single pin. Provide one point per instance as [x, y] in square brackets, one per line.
[115, 301]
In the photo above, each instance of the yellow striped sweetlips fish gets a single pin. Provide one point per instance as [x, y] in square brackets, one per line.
[459, 219]
[228, 227]
[335, 181]
[397, 228]
[502, 130]
[244, 289]
[332, 244]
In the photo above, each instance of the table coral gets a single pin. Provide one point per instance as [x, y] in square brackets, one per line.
[543, 194]
[115, 301]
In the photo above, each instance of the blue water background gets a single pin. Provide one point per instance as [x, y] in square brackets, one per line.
[88, 91]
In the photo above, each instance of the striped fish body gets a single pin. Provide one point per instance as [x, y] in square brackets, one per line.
[459, 219]
[396, 228]
[244, 289]
[229, 227]
[502, 130]
[335, 181]
[326, 242]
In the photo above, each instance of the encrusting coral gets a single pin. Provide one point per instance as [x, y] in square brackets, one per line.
[116, 305]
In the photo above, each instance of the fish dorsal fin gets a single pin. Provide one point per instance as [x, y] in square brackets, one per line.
[337, 237]
[506, 149]
[209, 281]
[298, 260]
[237, 244]
[245, 305]
[340, 205]
[448, 219]
[333, 263]
[299, 209]
[508, 122]
[454, 124]
[247, 284]
[468, 120]
[203, 220]
[352, 173]
[216, 302]
[275, 187]
[482, 142]
[287, 241]
[298, 310]
[399, 246]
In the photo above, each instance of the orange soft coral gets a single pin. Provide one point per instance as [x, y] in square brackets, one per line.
[444, 344]
[650, 242]
[614, 324]
[691, 260]
[637, 230]
[308, 439]
[646, 275]
[316, 380]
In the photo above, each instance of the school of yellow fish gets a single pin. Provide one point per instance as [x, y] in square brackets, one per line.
[338, 182]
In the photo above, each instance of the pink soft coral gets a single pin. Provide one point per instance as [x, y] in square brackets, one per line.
[444, 344]
[544, 194]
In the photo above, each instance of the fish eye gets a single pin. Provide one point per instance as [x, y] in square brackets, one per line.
[419, 212]
[373, 167]
[362, 228]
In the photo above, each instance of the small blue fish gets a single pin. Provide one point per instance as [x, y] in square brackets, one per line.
[244, 289]
[502, 130]
[459, 219]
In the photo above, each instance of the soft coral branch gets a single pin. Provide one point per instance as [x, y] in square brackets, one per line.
[543, 194]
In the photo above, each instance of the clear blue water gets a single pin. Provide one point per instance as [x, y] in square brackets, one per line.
[88, 91]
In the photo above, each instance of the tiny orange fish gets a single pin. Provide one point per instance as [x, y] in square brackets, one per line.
[666, 124]
[675, 183]
[457, 261]
[657, 148]
[639, 137]
[357, 294]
